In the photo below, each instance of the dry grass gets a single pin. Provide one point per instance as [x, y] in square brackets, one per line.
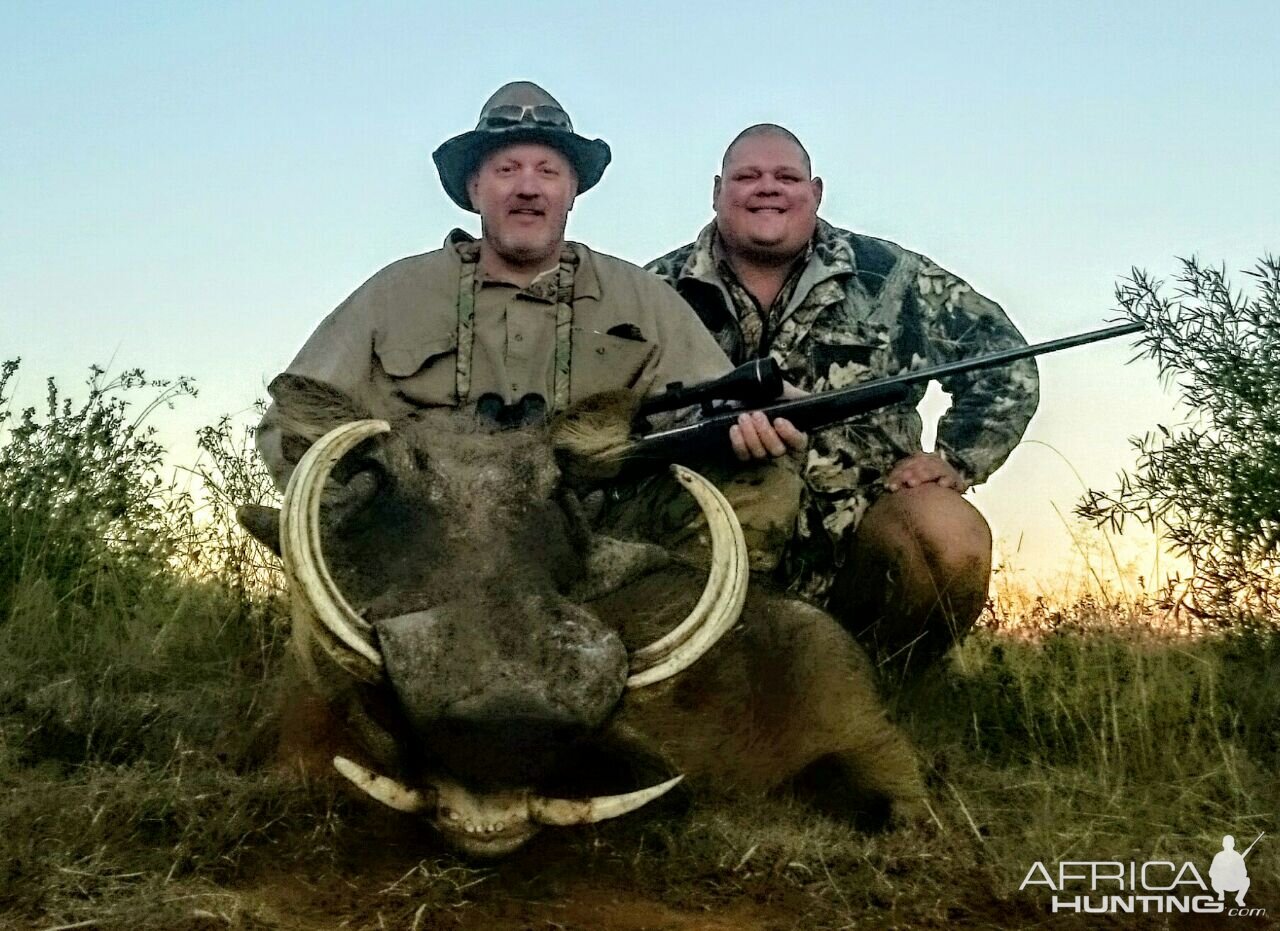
[144, 808]
[133, 730]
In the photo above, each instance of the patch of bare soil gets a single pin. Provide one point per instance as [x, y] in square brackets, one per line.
[562, 898]
[584, 905]
[554, 885]
[587, 906]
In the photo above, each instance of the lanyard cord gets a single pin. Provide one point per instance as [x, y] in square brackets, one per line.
[564, 328]
[466, 323]
[564, 325]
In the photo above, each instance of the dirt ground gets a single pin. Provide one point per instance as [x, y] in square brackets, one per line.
[554, 885]
[583, 904]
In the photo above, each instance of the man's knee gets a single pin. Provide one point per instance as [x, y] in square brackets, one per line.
[917, 574]
[931, 524]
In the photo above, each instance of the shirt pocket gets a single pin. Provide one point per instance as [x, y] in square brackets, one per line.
[841, 359]
[609, 360]
[424, 374]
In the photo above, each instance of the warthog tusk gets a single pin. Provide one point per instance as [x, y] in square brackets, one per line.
[300, 537]
[563, 812]
[721, 603]
[384, 789]
[559, 812]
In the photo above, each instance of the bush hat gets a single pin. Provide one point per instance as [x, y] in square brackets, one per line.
[518, 112]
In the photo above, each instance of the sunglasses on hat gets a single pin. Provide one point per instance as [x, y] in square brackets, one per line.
[505, 115]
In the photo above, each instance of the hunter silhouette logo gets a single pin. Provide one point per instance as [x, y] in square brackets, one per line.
[1228, 873]
[1112, 887]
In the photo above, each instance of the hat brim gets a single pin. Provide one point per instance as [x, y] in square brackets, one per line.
[458, 157]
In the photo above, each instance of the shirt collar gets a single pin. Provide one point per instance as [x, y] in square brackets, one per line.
[701, 263]
[724, 268]
[827, 247]
[833, 250]
[461, 245]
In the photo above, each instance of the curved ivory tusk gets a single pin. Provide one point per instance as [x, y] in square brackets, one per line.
[657, 651]
[721, 603]
[384, 789]
[563, 812]
[300, 536]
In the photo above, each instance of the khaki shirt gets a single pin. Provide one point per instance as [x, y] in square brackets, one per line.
[392, 345]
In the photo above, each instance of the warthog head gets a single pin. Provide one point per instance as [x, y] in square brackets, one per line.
[441, 573]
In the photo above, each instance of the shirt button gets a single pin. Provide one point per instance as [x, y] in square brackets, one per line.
[519, 337]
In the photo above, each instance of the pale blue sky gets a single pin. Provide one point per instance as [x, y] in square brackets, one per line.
[191, 187]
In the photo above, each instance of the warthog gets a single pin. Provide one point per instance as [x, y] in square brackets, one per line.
[493, 666]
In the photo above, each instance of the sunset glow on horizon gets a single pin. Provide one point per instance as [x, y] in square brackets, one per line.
[191, 189]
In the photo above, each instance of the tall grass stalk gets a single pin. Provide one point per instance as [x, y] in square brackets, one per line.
[139, 638]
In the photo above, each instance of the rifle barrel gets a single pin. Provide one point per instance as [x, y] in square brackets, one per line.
[1250, 847]
[1005, 356]
[831, 407]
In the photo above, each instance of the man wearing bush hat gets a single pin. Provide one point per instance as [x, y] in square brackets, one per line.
[519, 320]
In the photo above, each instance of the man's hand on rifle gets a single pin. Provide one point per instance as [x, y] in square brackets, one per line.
[754, 437]
[924, 469]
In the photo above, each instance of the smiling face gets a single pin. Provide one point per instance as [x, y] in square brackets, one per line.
[766, 201]
[524, 193]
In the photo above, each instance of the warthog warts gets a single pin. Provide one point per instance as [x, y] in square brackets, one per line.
[481, 659]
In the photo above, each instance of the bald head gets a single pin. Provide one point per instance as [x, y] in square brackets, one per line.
[767, 130]
[766, 198]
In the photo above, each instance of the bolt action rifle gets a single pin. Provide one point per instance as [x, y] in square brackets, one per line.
[757, 384]
[1251, 846]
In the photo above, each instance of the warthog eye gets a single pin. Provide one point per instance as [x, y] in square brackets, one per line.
[354, 495]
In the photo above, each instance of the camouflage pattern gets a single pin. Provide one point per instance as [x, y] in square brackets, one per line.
[764, 494]
[466, 321]
[854, 309]
[557, 288]
[394, 344]
[564, 326]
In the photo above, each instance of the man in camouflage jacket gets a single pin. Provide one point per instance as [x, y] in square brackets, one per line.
[883, 536]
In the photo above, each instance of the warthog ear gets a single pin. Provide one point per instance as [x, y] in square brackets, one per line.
[613, 564]
[307, 409]
[590, 439]
[263, 524]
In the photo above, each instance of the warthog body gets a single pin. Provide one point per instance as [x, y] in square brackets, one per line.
[496, 685]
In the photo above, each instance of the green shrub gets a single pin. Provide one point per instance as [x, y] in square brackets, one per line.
[127, 626]
[1211, 487]
[83, 507]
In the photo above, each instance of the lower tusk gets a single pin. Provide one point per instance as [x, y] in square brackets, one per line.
[384, 789]
[722, 599]
[563, 812]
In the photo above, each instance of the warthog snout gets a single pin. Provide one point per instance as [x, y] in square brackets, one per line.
[493, 690]
[493, 660]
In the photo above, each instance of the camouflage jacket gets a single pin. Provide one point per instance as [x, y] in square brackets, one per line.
[859, 308]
